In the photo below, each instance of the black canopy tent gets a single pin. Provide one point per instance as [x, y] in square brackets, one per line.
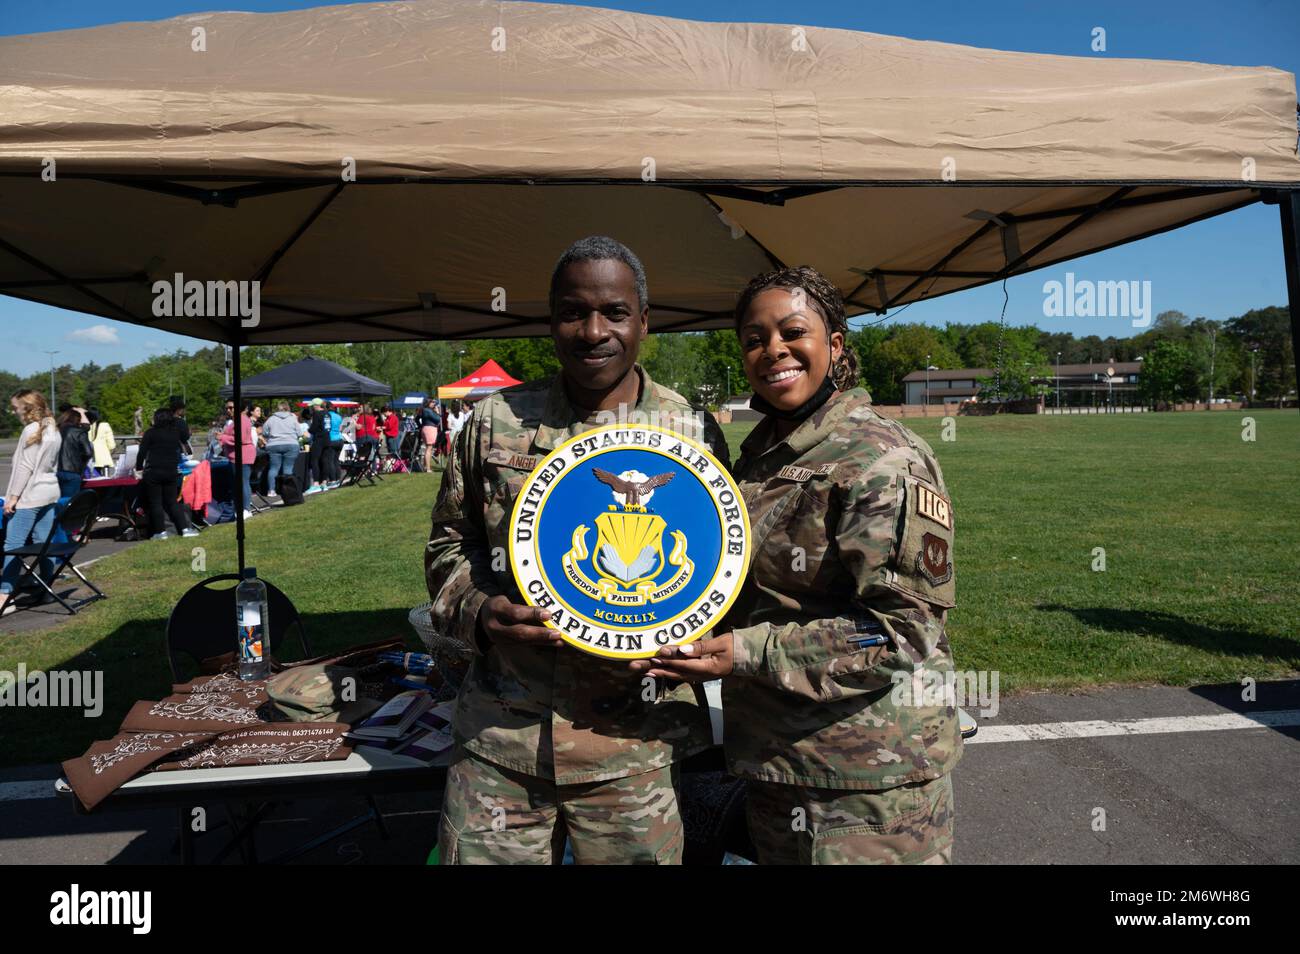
[308, 377]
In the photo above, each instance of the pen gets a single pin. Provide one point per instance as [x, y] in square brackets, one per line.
[861, 641]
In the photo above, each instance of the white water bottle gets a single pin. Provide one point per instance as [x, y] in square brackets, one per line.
[253, 618]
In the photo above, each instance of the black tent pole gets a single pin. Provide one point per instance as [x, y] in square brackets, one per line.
[1290, 208]
[237, 428]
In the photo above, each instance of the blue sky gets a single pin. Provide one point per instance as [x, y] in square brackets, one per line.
[1217, 268]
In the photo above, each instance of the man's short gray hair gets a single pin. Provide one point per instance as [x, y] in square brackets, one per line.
[600, 248]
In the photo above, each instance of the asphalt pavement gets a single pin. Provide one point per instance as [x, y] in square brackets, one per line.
[1148, 775]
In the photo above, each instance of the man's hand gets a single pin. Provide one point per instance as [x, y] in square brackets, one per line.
[695, 662]
[501, 619]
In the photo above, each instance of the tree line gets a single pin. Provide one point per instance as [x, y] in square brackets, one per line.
[1182, 359]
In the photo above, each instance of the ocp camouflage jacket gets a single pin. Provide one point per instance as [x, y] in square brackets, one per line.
[852, 533]
[553, 713]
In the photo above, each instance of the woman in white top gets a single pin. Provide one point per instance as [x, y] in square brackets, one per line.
[101, 438]
[33, 491]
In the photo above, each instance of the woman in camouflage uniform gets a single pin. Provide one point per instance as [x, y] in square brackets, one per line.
[837, 674]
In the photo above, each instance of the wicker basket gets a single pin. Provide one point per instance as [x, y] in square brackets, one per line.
[450, 655]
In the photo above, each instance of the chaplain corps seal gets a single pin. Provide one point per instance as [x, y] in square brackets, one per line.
[633, 537]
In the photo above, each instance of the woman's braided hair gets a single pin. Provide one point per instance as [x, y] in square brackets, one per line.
[828, 301]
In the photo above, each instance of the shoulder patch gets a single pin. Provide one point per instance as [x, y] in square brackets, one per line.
[932, 562]
[933, 507]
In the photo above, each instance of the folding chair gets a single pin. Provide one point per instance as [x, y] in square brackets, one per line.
[416, 460]
[75, 522]
[255, 478]
[202, 623]
[361, 468]
[408, 450]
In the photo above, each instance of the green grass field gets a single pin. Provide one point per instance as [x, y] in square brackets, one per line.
[1199, 529]
[1200, 536]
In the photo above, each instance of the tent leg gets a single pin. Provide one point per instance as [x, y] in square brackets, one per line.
[1290, 208]
[237, 427]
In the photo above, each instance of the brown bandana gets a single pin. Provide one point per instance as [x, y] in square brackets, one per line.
[108, 765]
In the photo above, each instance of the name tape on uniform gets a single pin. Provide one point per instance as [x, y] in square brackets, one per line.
[503, 458]
[802, 474]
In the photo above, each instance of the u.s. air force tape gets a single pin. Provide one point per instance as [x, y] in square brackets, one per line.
[634, 538]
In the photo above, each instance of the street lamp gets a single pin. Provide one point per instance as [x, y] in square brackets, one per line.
[53, 402]
[460, 371]
[1213, 338]
[927, 385]
[1252, 372]
[1058, 382]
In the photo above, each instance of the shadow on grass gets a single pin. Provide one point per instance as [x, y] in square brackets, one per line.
[1220, 640]
[133, 661]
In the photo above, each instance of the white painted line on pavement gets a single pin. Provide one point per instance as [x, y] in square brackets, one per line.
[24, 791]
[1039, 732]
[1050, 731]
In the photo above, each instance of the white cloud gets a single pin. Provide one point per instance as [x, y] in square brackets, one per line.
[95, 334]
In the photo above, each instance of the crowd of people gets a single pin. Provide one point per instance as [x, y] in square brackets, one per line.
[54, 456]
[330, 434]
[56, 453]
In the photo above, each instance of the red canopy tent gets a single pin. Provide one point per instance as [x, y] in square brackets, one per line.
[478, 384]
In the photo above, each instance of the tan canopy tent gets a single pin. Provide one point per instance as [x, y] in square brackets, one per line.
[394, 171]
[486, 136]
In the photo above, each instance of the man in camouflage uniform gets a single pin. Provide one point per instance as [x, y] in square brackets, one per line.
[553, 740]
[848, 745]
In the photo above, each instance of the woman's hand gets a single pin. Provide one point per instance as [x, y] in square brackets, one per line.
[11, 506]
[695, 662]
